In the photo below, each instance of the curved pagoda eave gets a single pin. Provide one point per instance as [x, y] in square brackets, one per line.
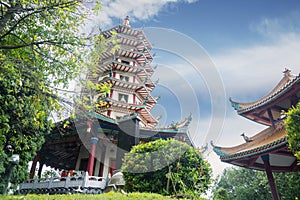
[272, 142]
[272, 105]
[140, 57]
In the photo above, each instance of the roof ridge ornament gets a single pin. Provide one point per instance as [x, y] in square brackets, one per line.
[287, 72]
[246, 138]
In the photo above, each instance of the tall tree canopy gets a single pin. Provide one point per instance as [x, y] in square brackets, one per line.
[40, 50]
[292, 124]
[242, 183]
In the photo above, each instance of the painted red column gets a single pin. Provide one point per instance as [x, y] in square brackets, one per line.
[94, 141]
[111, 93]
[109, 113]
[33, 166]
[271, 181]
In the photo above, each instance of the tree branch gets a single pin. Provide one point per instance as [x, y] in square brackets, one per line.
[32, 12]
[8, 15]
[16, 24]
[34, 43]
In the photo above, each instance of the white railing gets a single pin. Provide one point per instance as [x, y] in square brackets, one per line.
[79, 181]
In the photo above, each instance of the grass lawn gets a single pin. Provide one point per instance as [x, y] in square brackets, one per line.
[105, 196]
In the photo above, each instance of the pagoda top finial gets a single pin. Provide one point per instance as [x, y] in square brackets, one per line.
[126, 21]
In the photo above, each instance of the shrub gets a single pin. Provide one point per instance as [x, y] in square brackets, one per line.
[168, 167]
[292, 124]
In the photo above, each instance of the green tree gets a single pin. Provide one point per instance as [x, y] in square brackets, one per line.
[166, 167]
[221, 194]
[40, 49]
[292, 125]
[242, 183]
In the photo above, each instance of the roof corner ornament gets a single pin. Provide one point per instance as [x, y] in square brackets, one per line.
[218, 150]
[203, 148]
[126, 21]
[235, 105]
[189, 119]
[157, 98]
[174, 125]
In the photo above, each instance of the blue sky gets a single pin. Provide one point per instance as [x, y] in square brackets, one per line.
[248, 43]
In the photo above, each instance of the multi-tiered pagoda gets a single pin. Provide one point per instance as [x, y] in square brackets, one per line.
[97, 143]
[129, 72]
[268, 150]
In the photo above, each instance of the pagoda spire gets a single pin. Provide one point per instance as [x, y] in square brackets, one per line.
[126, 21]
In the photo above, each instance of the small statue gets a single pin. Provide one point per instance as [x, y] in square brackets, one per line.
[246, 138]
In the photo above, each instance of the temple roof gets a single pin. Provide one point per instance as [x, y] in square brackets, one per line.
[128, 33]
[270, 141]
[63, 144]
[269, 108]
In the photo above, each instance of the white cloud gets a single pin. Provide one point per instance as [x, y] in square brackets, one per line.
[272, 27]
[137, 10]
[255, 70]
[252, 71]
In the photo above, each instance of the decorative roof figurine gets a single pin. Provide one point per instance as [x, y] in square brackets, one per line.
[246, 138]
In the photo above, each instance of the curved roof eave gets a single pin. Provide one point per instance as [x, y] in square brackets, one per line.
[286, 83]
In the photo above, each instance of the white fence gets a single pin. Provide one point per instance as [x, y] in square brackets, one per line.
[79, 183]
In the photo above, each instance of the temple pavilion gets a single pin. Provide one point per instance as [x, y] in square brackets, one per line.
[268, 149]
[96, 141]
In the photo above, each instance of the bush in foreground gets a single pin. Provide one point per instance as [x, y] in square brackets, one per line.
[167, 167]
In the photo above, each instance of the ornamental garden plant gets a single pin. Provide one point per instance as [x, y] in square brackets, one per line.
[167, 167]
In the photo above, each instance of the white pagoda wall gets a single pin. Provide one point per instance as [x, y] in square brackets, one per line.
[130, 80]
[115, 96]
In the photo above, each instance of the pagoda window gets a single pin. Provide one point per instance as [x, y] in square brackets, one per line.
[123, 98]
[125, 62]
[124, 78]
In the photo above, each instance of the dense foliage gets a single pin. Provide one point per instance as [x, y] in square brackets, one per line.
[292, 124]
[221, 194]
[241, 183]
[40, 49]
[166, 167]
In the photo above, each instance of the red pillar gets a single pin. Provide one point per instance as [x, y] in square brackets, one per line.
[94, 141]
[109, 113]
[272, 184]
[111, 93]
[33, 166]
